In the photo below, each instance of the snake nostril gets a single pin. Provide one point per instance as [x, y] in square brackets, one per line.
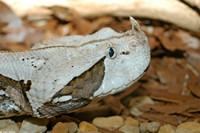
[125, 53]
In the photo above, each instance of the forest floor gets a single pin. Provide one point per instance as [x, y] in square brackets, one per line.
[165, 100]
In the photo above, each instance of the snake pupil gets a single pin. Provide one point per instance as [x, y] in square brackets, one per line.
[111, 52]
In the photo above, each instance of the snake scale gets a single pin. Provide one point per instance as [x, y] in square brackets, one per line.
[65, 74]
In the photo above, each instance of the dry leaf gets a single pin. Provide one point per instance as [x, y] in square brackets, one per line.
[193, 83]
[163, 119]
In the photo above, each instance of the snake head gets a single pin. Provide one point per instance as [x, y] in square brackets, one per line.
[104, 63]
[128, 63]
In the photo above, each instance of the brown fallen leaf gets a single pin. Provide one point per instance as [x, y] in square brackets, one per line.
[163, 95]
[84, 26]
[172, 108]
[152, 84]
[191, 42]
[168, 68]
[193, 58]
[153, 42]
[128, 91]
[151, 73]
[114, 102]
[12, 46]
[11, 26]
[91, 111]
[161, 118]
[158, 31]
[121, 24]
[193, 83]
[63, 13]
[171, 41]
[115, 105]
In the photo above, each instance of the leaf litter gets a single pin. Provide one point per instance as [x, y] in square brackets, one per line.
[171, 84]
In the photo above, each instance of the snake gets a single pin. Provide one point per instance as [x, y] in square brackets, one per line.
[65, 74]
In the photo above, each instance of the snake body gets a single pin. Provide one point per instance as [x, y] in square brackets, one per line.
[65, 74]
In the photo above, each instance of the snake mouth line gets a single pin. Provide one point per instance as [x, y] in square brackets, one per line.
[101, 95]
[133, 81]
[122, 87]
[147, 68]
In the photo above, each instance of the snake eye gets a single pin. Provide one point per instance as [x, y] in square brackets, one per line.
[112, 53]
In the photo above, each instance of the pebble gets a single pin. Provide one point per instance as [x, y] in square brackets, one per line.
[129, 129]
[129, 121]
[33, 125]
[110, 123]
[8, 125]
[91, 132]
[183, 130]
[60, 128]
[72, 126]
[193, 126]
[138, 101]
[85, 127]
[167, 128]
[149, 127]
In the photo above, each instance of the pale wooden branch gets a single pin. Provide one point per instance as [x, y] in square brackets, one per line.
[172, 11]
[193, 3]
